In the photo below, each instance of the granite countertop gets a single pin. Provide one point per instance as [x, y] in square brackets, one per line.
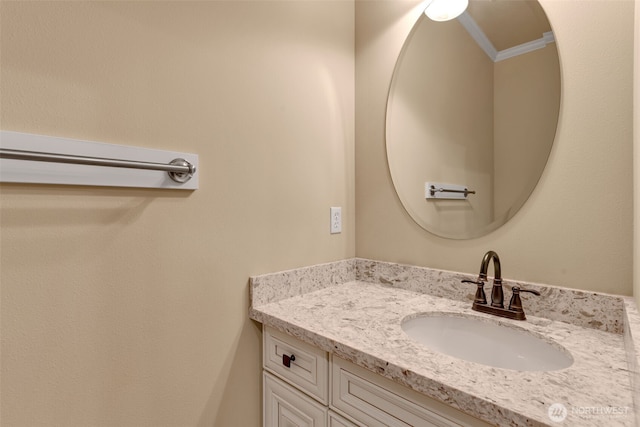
[361, 321]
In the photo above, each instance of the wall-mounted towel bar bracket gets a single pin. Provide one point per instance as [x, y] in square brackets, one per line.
[27, 158]
[435, 190]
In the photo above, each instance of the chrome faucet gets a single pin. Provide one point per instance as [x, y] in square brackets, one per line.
[496, 308]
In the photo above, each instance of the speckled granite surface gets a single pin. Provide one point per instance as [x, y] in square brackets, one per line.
[588, 309]
[632, 346]
[285, 284]
[360, 320]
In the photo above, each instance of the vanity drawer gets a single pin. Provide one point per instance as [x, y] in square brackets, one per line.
[375, 401]
[310, 369]
[284, 406]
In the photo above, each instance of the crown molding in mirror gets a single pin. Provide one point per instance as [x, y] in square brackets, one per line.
[485, 44]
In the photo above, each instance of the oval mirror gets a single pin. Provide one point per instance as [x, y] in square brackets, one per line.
[471, 116]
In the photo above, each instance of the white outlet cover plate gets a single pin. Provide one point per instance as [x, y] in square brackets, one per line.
[336, 220]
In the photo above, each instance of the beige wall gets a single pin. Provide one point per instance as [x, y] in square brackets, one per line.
[576, 228]
[636, 155]
[125, 307]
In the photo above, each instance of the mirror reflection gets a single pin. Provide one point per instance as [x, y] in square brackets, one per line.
[474, 103]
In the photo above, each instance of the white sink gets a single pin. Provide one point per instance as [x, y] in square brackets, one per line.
[478, 340]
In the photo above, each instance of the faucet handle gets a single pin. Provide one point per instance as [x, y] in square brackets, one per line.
[480, 297]
[516, 303]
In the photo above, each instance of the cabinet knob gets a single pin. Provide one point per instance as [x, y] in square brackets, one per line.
[286, 360]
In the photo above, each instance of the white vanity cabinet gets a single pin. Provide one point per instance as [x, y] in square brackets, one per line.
[318, 390]
[285, 406]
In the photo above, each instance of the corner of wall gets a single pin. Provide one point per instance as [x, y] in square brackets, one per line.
[636, 156]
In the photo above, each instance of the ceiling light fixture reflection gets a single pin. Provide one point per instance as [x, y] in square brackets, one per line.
[445, 10]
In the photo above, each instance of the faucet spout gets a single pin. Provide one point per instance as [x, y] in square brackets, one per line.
[497, 296]
[496, 308]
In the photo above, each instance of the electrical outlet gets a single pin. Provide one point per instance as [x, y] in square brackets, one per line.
[336, 220]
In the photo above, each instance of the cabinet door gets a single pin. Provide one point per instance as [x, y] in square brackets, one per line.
[375, 401]
[285, 406]
[336, 420]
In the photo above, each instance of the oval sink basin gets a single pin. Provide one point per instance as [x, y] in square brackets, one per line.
[476, 340]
